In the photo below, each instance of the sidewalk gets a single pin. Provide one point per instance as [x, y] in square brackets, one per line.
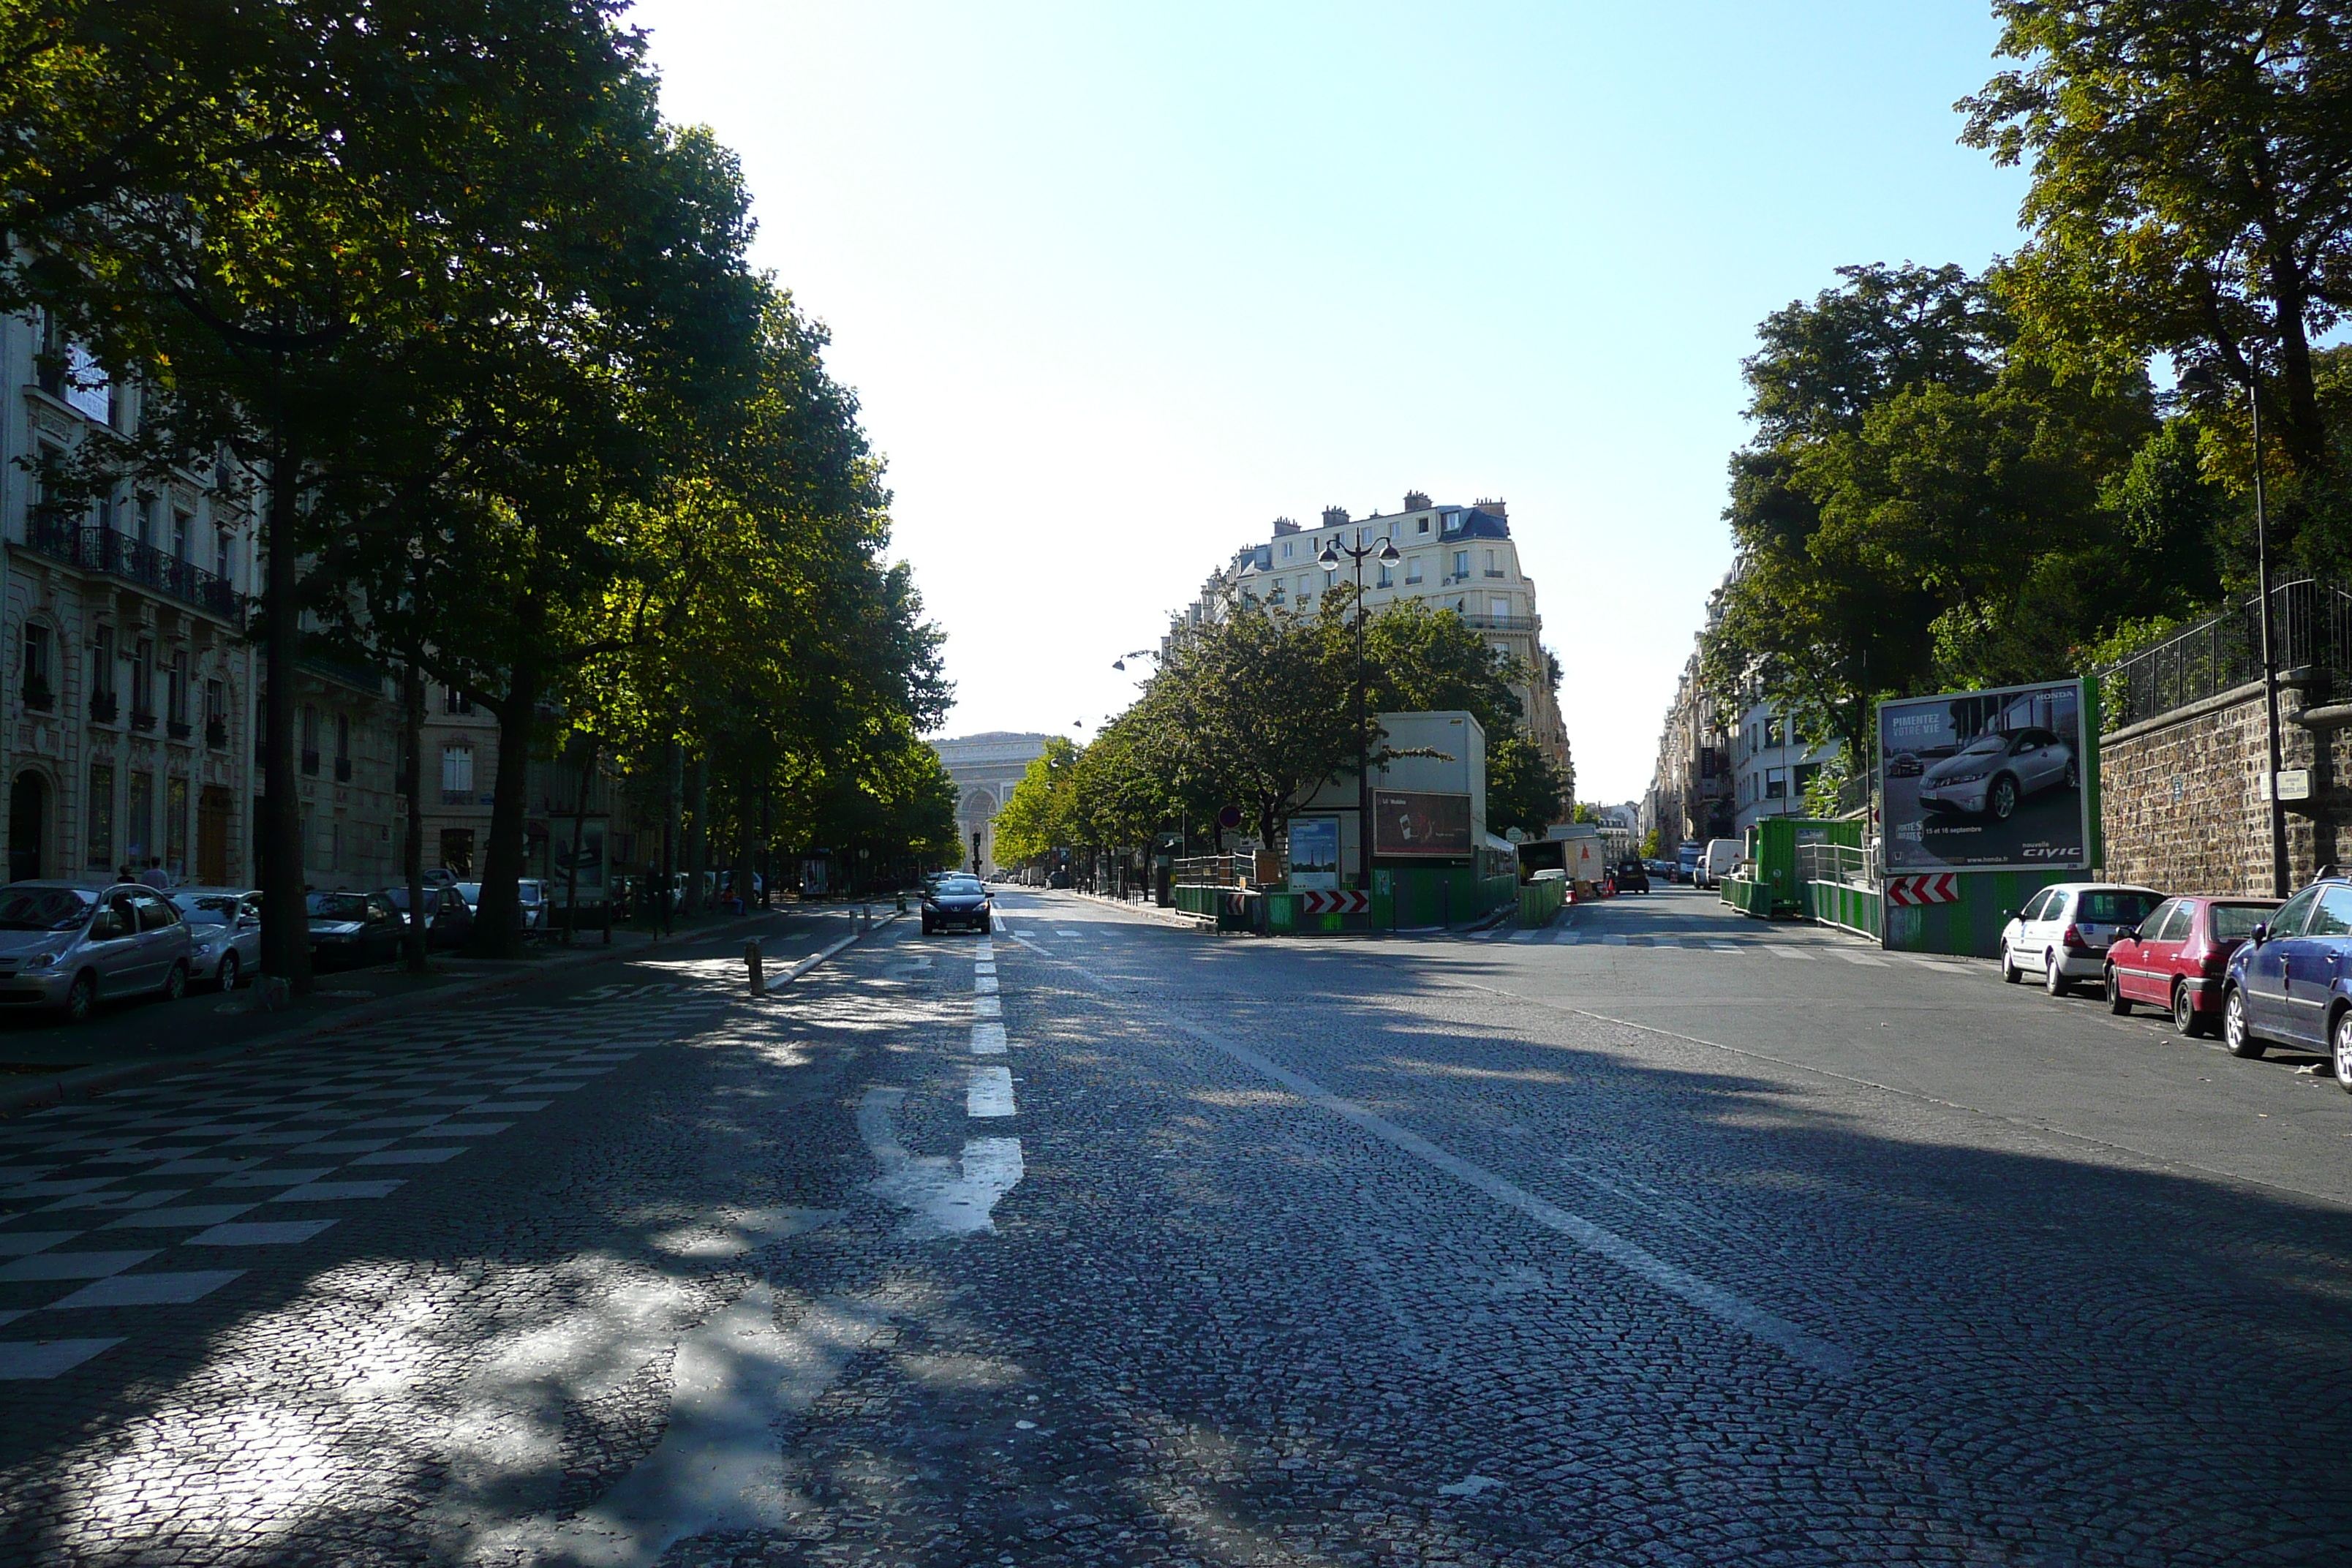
[140, 1042]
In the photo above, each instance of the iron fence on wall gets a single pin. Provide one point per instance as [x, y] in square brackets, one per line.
[2311, 634]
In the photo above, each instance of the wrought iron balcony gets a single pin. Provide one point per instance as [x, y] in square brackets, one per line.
[103, 707]
[217, 733]
[38, 697]
[119, 555]
[140, 721]
[343, 770]
[177, 729]
[311, 762]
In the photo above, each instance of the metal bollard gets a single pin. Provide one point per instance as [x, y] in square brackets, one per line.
[752, 962]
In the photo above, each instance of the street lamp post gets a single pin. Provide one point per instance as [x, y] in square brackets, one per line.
[2211, 374]
[1386, 554]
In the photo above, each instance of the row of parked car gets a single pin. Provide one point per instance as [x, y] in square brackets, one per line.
[69, 945]
[2260, 971]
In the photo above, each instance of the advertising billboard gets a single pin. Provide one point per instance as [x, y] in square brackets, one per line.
[1986, 781]
[1420, 825]
[1314, 852]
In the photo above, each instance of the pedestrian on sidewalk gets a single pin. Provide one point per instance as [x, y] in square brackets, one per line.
[155, 876]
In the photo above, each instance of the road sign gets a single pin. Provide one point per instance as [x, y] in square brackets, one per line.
[1936, 887]
[1341, 901]
[2294, 784]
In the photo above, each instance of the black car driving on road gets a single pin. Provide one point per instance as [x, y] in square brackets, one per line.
[956, 900]
[1632, 876]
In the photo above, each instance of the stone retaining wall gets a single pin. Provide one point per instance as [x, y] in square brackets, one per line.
[2180, 801]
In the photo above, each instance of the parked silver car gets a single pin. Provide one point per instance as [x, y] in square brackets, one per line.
[68, 944]
[1990, 774]
[223, 932]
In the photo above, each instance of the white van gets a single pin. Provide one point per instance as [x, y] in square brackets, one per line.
[1722, 858]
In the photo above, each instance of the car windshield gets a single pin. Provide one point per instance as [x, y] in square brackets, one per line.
[43, 909]
[2236, 923]
[210, 909]
[2114, 909]
[338, 906]
[469, 891]
[1987, 745]
[959, 886]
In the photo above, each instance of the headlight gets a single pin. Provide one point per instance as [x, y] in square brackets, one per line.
[1959, 778]
[39, 960]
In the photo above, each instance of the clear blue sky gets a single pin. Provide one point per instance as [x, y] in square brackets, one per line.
[1118, 285]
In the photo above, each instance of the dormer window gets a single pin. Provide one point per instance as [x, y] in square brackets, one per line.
[1453, 521]
[1424, 525]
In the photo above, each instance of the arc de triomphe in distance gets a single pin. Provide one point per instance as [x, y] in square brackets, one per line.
[985, 767]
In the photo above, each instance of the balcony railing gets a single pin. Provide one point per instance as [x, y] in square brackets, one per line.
[38, 697]
[140, 721]
[311, 762]
[1501, 623]
[177, 729]
[217, 733]
[456, 798]
[119, 556]
[343, 770]
[103, 707]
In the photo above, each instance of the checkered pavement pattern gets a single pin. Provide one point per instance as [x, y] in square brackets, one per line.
[114, 1211]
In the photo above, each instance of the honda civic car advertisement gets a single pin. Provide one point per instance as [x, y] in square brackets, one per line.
[1986, 781]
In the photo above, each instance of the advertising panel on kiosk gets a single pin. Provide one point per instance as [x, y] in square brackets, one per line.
[1420, 825]
[1986, 781]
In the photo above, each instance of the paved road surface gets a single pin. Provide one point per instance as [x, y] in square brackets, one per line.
[1664, 1238]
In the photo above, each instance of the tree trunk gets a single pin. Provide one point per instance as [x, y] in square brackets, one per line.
[668, 899]
[285, 906]
[743, 857]
[578, 840]
[498, 918]
[412, 851]
[698, 835]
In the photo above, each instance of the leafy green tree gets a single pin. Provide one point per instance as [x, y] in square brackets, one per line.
[1526, 789]
[2190, 192]
[1033, 819]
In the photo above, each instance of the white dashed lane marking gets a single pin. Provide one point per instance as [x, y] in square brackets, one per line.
[990, 1093]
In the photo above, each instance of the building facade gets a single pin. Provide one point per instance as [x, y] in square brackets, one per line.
[129, 694]
[985, 768]
[1460, 558]
[1772, 766]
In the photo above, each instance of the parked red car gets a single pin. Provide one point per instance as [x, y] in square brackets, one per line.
[2176, 957]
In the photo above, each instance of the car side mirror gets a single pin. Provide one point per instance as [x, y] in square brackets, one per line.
[2129, 934]
[2009, 914]
[2259, 935]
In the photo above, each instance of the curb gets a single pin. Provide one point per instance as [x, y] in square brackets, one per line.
[84, 1083]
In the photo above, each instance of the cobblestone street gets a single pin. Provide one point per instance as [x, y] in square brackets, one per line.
[1663, 1237]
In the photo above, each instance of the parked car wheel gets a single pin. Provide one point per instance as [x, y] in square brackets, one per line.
[2340, 1057]
[175, 983]
[2054, 977]
[2009, 970]
[2117, 1003]
[81, 998]
[2235, 1032]
[229, 968]
[2186, 1021]
[2001, 799]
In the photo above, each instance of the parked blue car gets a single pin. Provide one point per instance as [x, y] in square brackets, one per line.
[2289, 982]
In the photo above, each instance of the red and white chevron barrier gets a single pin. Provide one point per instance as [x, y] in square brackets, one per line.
[1351, 901]
[1935, 888]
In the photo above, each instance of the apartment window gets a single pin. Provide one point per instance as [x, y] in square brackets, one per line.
[143, 683]
[342, 737]
[1286, 550]
[310, 738]
[1775, 783]
[215, 713]
[1424, 526]
[182, 526]
[456, 701]
[1386, 579]
[1452, 522]
[1412, 563]
[220, 553]
[102, 659]
[1330, 578]
[1461, 563]
[1498, 608]
[457, 773]
[335, 847]
[175, 689]
[1363, 536]
[39, 688]
[101, 816]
